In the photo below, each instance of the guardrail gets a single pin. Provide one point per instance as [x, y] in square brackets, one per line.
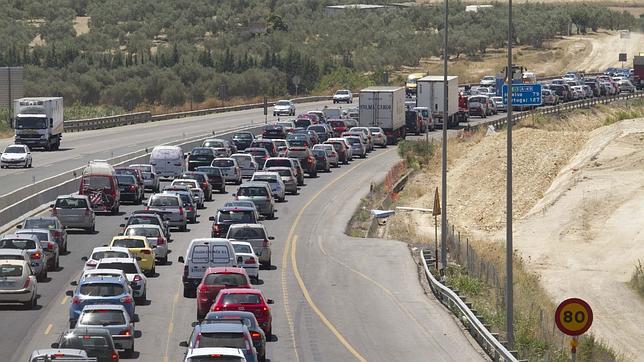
[142, 117]
[453, 302]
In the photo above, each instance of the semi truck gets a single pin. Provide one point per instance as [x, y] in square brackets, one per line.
[38, 122]
[430, 94]
[384, 107]
[638, 70]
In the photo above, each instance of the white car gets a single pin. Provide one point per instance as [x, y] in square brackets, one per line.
[488, 80]
[135, 276]
[330, 153]
[249, 260]
[18, 283]
[16, 156]
[343, 96]
[154, 235]
[275, 182]
[229, 169]
[193, 185]
[246, 163]
[284, 108]
[625, 85]
[204, 354]
[101, 252]
[379, 136]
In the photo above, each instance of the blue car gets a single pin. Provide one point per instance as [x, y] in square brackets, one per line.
[100, 290]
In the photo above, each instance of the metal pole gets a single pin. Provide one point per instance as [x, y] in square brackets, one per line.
[10, 97]
[436, 242]
[444, 156]
[509, 305]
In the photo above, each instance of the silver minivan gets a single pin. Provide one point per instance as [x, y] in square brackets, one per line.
[201, 255]
[260, 194]
[172, 203]
[256, 235]
[74, 211]
[168, 161]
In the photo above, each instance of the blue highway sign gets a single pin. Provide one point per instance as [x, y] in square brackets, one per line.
[523, 94]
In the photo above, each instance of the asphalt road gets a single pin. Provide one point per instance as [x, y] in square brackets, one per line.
[336, 298]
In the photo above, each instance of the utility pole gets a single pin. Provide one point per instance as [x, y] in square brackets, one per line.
[509, 298]
[444, 155]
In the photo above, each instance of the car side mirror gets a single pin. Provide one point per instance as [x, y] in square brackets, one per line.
[212, 218]
[84, 258]
[180, 259]
[104, 244]
[55, 345]
[271, 238]
[194, 324]
[120, 234]
[73, 283]
[19, 227]
[51, 206]
[183, 344]
[269, 301]
[69, 293]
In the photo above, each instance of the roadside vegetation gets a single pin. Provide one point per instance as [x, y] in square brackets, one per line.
[173, 53]
[637, 280]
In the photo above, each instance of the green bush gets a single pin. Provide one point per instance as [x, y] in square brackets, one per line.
[417, 153]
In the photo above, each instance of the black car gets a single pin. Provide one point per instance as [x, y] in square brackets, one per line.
[227, 216]
[130, 189]
[97, 342]
[243, 140]
[322, 132]
[215, 178]
[273, 131]
[200, 156]
[322, 163]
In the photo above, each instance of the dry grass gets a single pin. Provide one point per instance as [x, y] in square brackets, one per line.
[81, 25]
[637, 280]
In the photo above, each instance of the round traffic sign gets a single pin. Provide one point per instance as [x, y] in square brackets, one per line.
[574, 316]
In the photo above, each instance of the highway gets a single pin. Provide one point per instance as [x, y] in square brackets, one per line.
[336, 298]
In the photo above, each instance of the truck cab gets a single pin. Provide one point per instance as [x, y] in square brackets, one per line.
[38, 122]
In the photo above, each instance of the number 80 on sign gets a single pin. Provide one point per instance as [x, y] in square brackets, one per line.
[574, 317]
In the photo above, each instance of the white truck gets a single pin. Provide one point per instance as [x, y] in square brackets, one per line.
[384, 107]
[38, 122]
[429, 94]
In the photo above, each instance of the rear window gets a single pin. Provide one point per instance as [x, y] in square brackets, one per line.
[97, 182]
[164, 201]
[243, 136]
[101, 289]
[125, 179]
[40, 236]
[109, 254]
[374, 130]
[337, 124]
[211, 171]
[265, 178]
[240, 217]
[318, 129]
[105, 317]
[230, 340]
[246, 233]
[8, 270]
[87, 343]
[223, 163]
[230, 280]
[129, 243]
[261, 152]
[243, 161]
[17, 244]
[297, 153]
[143, 220]
[283, 172]
[184, 183]
[71, 203]
[319, 152]
[143, 168]
[147, 232]
[302, 123]
[40, 224]
[240, 248]
[241, 299]
[252, 191]
[127, 268]
[202, 152]
[277, 163]
[194, 176]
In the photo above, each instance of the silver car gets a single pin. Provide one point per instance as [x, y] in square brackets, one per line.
[189, 204]
[358, 147]
[288, 178]
[31, 245]
[260, 194]
[330, 153]
[62, 354]
[274, 181]
[74, 211]
[151, 180]
[48, 244]
[246, 163]
[50, 223]
[17, 283]
[284, 108]
[112, 317]
[177, 216]
[229, 169]
[155, 237]
[256, 235]
[379, 136]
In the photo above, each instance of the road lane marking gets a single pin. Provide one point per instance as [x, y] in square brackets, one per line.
[171, 325]
[49, 327]
[64, 300]
[321, 246]
[287, 308]
[290, 247]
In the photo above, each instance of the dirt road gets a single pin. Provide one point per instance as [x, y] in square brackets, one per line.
[605, 49]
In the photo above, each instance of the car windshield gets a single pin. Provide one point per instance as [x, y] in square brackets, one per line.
[211, 171]
[102, 317]
[240, 217]
[31, 123]
[231, 280]
[109, 254]
[125, 179]
[164, 201]
[283, 103]
[127, 268]
[223, 163]
[129, 243]
[344, 92]
[147, 232]
[8, 270]
[101, 289]
[87, 343]
[221, 339]
[252, 191]
[71, 203]
[14, 149]
[241, 299]
[23, 244]
[40, 224]
[241, 248]
[246, 233]
[283, 172]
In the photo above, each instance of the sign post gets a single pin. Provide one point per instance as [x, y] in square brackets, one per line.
[436, 211]
[573, 317]
[296, 82]
[265, 110]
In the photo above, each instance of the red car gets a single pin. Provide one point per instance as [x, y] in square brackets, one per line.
[339, 126]
[248, 300]
[216, 279]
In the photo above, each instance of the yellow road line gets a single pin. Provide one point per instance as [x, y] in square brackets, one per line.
[290, 246]
[49, 327]
[170, 326]
[64, 300]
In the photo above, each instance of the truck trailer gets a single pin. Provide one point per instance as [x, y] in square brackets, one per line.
[638, 71]
[430, 94]
[38, 122]
[384, 107]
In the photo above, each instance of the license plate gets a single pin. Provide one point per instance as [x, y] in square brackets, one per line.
[7, 284]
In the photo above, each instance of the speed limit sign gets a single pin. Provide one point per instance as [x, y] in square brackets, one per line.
[574, 316]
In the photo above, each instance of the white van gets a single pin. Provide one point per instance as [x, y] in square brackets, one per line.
[168, 161]
[201, 255]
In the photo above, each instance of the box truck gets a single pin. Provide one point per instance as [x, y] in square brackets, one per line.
[384, 107]
[38, 122]
[638, 71]
[430, 94]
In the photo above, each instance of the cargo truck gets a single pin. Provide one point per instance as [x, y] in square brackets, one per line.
[638, 71]
[384, 107]
[38, 122]
[430, 94]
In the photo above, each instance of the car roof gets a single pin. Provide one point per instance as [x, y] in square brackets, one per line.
[72, 196]
[260, 173]
[254, 184]
[143, 226]
[42, 218]
[110, 248]
[85, 331]
[231, 327]
[14, 262]
[199, 352]
[117, 260]
[124, 237]
[19, 236]
[102, 279]
[241, 226]
[230, 313]
[104, 306]
[67, 352]
[93, 272]
[225, 270]
[236, 208]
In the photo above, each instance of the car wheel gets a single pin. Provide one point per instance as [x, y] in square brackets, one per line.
[72, 324]
[164, 260]
[188, 292]
[271, 216]
[57, 264]
[183, 228]
[222, 190]
[129, 352]
[32, 303]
